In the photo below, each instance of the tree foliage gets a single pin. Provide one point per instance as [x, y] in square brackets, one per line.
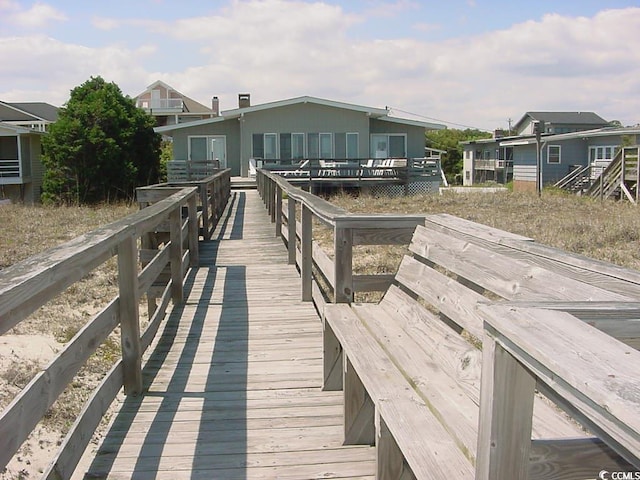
[101, 147]
[449, 140]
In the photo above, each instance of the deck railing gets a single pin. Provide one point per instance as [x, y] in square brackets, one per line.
[348, 229]
[30, 284]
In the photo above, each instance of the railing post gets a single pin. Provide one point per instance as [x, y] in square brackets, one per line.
[194, 254]
[507, 391]
[175, 255]
[204, 202]
[291, 230]
[278, 211]
[129, 316]
[307, 254]
[342, 264]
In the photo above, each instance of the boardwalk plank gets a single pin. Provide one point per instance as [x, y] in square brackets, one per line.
[233, 381]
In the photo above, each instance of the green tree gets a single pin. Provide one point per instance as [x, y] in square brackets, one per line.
[449, 140]
[101, 147]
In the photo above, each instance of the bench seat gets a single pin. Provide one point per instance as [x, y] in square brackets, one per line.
[426, 366]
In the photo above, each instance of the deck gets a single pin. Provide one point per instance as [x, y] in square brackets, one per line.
[232, 386]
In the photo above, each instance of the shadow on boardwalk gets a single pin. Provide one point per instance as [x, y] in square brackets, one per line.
[203, 399]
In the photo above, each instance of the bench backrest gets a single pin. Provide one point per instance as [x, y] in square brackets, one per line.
[453, 275]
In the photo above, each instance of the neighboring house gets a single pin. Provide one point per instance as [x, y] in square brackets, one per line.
[171, 107]
[21, 167]
[568, 139]
[33, 115]
[296, 129]
[559, 122]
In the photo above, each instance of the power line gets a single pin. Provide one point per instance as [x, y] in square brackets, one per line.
[437, 119]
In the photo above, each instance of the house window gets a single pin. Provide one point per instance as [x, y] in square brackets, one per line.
[326, 145]
[352, 145]
[297, 146]
[313, 146]
[604, 153]
[553, 154]
[270, 146]
[388, 145]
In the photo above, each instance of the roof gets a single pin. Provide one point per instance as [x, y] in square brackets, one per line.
[571, 118]
[42, 110]
[598, 132]
[28, 112]
[377, 113]
[191, 106]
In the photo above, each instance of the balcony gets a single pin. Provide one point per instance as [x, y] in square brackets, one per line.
[10, 172]
[161, 105]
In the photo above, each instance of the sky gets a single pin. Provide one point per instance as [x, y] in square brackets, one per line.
[464, 63]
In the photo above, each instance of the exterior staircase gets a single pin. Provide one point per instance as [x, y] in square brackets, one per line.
[618, 180]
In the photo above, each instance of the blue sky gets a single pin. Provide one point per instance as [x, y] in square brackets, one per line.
[467, 62]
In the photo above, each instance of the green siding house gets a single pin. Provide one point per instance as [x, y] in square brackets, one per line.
[296, 129]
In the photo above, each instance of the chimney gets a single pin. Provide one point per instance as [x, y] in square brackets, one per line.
[244, 100]
[498, 133]
[215, 106]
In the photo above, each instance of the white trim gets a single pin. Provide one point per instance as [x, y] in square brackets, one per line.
[276, 149]
[388, 135]
[346, 144]
[332, 154]
[559, 147]
[304, 145]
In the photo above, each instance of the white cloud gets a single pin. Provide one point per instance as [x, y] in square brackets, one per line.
[39, 63]
[38, 16]
[9, 5]
[278, 49]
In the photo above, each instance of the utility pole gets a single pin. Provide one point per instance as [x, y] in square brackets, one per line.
[538, 128]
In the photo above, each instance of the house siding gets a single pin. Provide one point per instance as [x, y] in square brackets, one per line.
[572, 152]
[229, 128]
[303, 118]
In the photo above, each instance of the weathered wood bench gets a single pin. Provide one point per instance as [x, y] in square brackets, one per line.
[410, 366]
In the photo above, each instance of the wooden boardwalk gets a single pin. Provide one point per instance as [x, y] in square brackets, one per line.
[233, 382]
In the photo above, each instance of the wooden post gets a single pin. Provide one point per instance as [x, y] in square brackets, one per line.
[389, 459]
[204, 202]
[175, 254]
[278, 211]
[129, 316]
[291, 233]
[342, 264]
[194, 254]
[307, 254]
[506, 408]
[332, 358]
[359, 411]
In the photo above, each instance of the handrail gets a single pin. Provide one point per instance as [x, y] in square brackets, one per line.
[31, 283]
[349, 230]
[587, 373]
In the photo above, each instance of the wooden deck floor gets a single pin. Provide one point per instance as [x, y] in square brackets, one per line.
[234, 381]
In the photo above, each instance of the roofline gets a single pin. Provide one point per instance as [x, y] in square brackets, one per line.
[584, 134]
[8, 105]
[306, 99]
[415, 123]
[19, 129]
[530, 114]
[377, 113]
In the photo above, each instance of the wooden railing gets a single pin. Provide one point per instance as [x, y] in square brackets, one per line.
[587, 373]
[30, 284]
[213, 193]
[348, 229]
[191, 170]
[621, 177]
